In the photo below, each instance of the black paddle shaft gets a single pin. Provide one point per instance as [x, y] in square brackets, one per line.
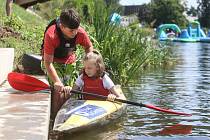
[105, 97]
[130, 102]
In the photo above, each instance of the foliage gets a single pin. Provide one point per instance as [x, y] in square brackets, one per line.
[116, 44]
[13, 21]
[52, 9]
[28, 27]
[192, 11]
[160, 53]
[33, 35]
[144, 14]
[49, 10]
[204, 13]
[125, 50]
[168, 11]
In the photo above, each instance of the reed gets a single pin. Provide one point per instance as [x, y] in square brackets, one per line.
[124, 50]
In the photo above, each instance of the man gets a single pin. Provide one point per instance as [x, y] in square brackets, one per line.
[58, 49]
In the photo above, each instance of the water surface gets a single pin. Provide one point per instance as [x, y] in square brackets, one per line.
[184, 87]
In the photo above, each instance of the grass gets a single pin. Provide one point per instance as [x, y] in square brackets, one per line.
[28, 18]
[29, 27]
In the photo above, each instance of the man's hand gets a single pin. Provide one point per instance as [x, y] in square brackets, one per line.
[58, 86]
[67, 90]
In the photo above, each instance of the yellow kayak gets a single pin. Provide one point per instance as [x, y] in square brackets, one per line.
[77, 115]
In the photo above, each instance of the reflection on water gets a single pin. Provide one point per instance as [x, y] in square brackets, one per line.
[176, 129]
[183, 88]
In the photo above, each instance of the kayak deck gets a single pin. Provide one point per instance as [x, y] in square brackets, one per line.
[76, 115]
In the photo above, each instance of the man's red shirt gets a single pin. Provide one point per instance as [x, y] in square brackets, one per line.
[52, 41]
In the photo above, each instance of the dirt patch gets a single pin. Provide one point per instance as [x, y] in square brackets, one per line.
[8, 32]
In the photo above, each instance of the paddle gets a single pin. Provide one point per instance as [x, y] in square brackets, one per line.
[27, 83]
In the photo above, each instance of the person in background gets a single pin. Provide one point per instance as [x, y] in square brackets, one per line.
[94, 79]
[58, 50]
[9, 7]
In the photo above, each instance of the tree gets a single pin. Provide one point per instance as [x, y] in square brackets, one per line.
[111, 2]
[204, 13]
[145, 13]
[192, 12]
[168, 11]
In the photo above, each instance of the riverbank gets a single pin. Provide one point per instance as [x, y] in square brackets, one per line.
[24, 115]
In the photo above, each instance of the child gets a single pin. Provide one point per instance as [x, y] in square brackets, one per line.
[94, 79]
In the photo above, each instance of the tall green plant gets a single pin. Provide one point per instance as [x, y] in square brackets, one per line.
[124, 54]
[124, 50]
[101, 23]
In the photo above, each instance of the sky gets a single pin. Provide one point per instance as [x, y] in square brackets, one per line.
[139, 2]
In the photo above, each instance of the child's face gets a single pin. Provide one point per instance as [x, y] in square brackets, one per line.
[90, 67]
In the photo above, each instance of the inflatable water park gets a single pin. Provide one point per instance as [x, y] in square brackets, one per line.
[172, 32]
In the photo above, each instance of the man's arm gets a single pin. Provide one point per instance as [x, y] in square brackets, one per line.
[48, 62]
[89, 49]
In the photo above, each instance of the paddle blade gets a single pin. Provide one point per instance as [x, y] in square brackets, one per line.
[165, 110]
[25, 82]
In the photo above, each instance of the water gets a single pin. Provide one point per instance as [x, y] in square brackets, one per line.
[184, 88]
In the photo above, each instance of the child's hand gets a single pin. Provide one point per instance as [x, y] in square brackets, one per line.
[67, 90]
[111, 97]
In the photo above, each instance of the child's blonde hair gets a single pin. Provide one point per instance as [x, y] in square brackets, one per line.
[95, 55]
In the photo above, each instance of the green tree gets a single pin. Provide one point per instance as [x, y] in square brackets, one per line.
[192, 11]
[111, 2]
[204, 13]
[168, 11]
[144, 14]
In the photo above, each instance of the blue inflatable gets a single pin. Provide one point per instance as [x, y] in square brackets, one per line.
[115, 19]
[172, 32]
